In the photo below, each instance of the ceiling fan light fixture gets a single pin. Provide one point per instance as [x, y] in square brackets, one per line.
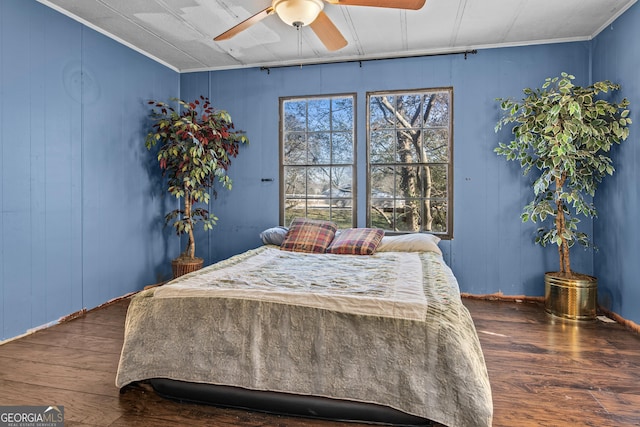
[298, 13]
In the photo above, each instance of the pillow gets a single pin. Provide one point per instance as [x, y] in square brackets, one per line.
[309, 235]
[413, 242]
[356, 241]
[274, 235]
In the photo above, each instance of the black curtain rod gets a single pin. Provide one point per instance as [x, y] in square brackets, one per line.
[360, 61]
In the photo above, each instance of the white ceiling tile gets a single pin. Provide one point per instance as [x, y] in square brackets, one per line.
[179, 33]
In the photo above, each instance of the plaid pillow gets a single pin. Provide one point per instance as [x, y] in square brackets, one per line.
[309, 235]
[356, 241]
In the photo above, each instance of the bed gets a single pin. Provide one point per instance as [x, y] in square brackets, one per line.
[380, 338]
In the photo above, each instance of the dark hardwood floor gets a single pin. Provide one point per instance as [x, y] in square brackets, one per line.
[542, 372]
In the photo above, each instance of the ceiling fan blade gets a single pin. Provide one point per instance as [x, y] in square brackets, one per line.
[245, 24]
[395, 4]
[327, 32]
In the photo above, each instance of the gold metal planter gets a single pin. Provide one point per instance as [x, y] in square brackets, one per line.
[571, 298]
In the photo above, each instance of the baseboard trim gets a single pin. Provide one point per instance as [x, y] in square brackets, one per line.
[629, 324]
[499, 296]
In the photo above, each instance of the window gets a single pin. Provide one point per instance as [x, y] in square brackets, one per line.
[317, 140]
[410, 142]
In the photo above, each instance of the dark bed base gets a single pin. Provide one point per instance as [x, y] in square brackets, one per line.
[284, 403]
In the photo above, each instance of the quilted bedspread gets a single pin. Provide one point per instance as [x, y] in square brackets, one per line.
[389, 284]
[199, 328]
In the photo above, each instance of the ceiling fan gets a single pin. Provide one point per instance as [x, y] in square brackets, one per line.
[299, 13]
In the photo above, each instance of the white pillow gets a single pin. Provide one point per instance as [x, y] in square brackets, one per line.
[412, 242]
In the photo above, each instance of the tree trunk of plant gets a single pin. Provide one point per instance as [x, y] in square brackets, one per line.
[191, 244]
[563, 247]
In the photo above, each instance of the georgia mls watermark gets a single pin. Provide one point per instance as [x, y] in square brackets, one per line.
[31, 416]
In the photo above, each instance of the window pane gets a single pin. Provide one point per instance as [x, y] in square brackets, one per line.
[295, 115]
[318, 182]
[381, 219]
[409, 216]
[341, 182]
[295, 179]
[342, 216]
[409, 107]
[295, 148]
[436, 221]
[342, 144]
[408, 182]
[435, 180]
[408, 146]
[382, 146]
[342, 114]
[436, 107]
[319, 212]
[382, 182]
[318, 111]
[294, 209]
[319, 148]
[382, 197]
[381, 112]
[436, 145]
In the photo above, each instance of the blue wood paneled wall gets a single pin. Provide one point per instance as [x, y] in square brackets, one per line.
[492, 251]
[78, 211]
[616, 57]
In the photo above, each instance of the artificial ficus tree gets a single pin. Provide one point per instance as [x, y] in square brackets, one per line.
[566, 132]
[197, 143]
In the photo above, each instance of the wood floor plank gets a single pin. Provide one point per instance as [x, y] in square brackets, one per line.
[62, 356]
[79, 379]
[622, 407]
[60, 338]
[543, 372]
[549, 372]
[84, 326]
[79, 408]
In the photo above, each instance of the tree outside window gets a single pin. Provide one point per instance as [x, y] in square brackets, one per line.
[410, 146]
